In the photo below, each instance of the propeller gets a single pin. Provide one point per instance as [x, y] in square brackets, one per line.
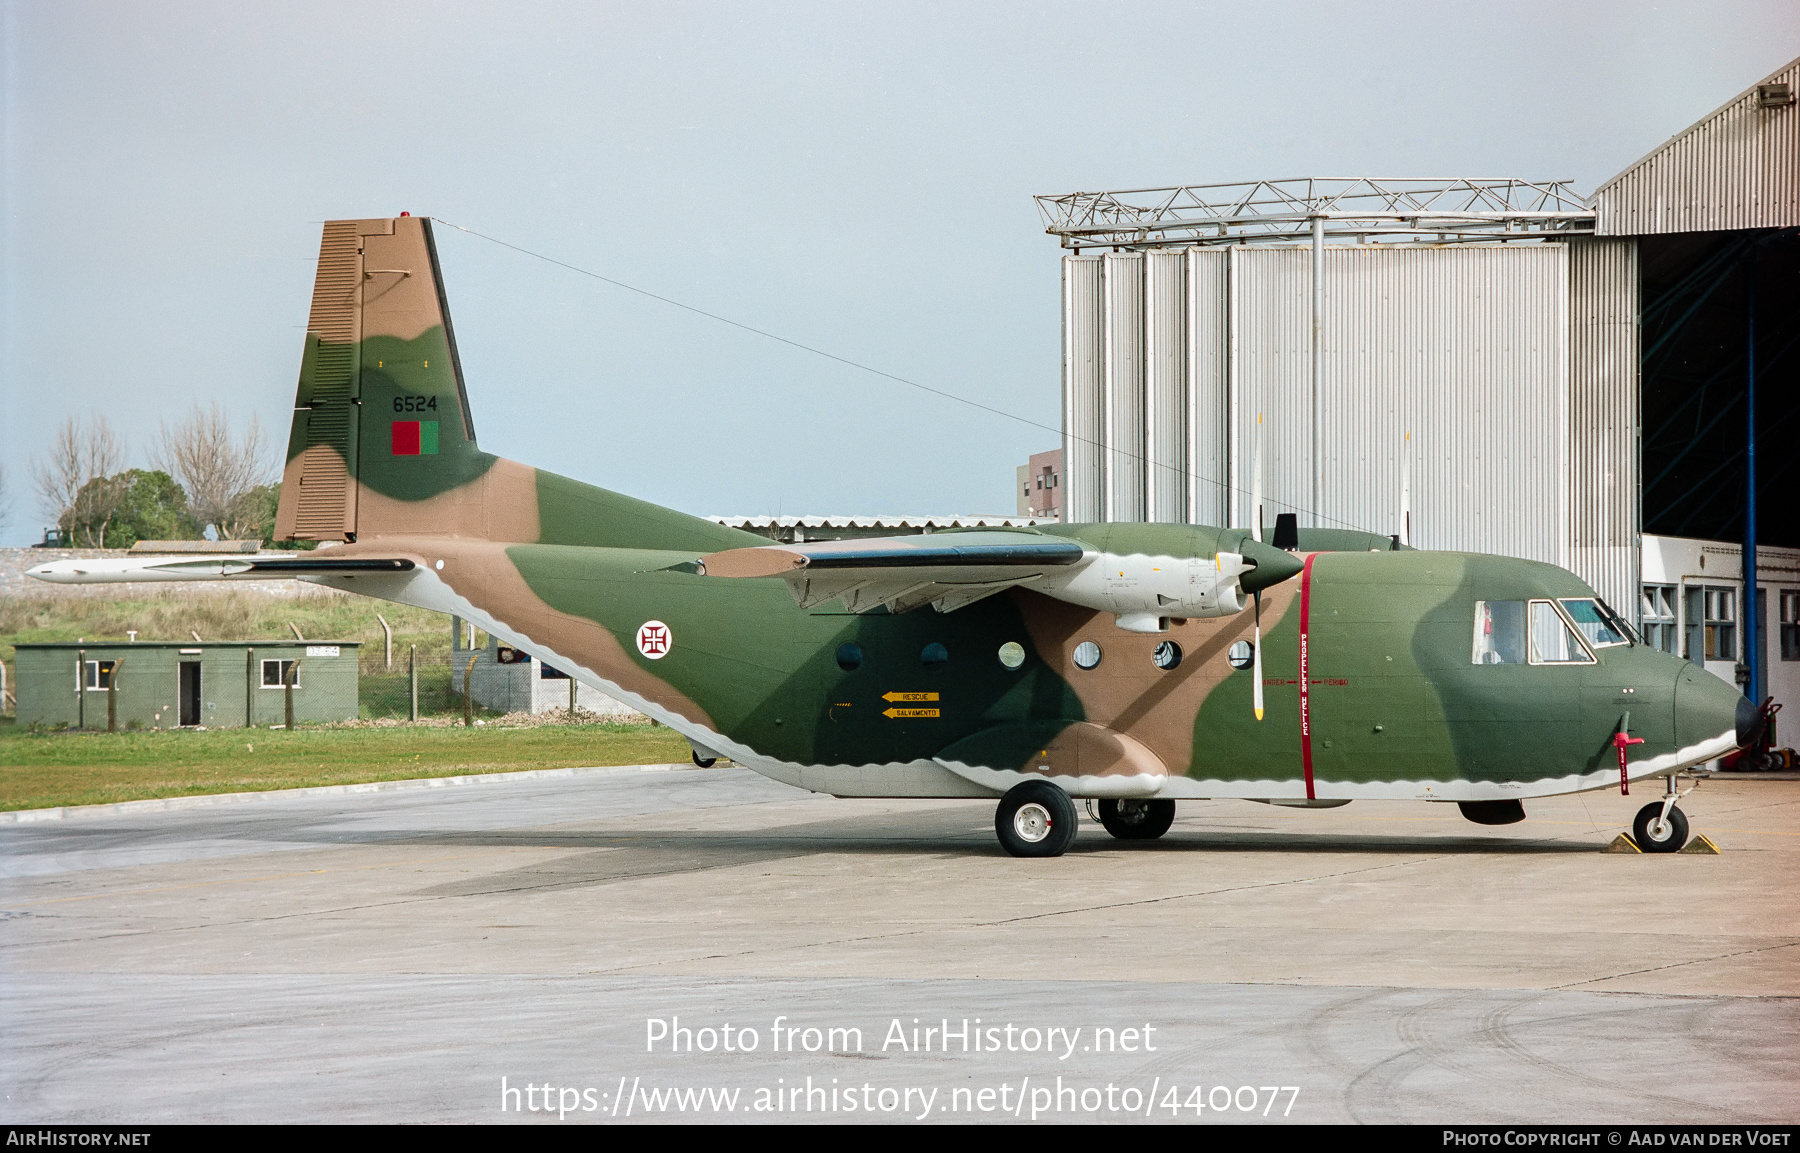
[1256, 483]
[1406, 491]
[1256, 688]
[1256, 661]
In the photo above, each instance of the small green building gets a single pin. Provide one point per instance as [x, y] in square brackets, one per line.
[170, 684]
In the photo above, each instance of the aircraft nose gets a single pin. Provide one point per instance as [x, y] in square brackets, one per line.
[1749, 722]
[1707, 708]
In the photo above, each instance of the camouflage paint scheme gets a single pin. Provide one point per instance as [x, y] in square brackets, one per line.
[568, 572]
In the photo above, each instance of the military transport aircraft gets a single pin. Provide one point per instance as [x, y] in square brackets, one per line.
[1130, 664]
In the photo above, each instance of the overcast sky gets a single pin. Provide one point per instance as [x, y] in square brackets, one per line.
[853, 176]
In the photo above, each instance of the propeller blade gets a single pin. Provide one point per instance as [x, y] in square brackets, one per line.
[1406, 491]
[1256, 662]
[1256, 483]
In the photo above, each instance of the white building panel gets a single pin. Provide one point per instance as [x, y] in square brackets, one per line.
[1477, 362]
[1274, 321]
[1466, 349]
[1165, 383]
[1604, 416]
[1123, 418]
[1737, 168]
[1208, 404]
[1084, 381]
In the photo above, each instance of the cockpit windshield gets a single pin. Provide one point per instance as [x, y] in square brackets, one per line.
[1598, 623]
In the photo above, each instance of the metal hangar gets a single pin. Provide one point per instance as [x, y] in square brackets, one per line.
[1490, 365]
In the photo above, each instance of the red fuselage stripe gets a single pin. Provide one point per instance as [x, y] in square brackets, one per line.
[1306, 676]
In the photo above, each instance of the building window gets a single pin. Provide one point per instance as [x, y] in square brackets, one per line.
[1656, 617]
[547, 673]
[275, 673]
[99, 674]
[1711, 623]
[1790, 624]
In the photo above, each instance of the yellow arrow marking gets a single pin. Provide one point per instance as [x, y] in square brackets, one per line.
[909, 696]
[903, 714]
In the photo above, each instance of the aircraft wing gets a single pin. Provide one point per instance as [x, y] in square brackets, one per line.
[108, 570]
[944, 570]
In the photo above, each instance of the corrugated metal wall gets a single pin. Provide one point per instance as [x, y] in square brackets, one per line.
[1208, 463]
[1084, 470]
[1738, 168]
[1165, 386]
[1123, 415]
[1604, 418]
[1513, 367]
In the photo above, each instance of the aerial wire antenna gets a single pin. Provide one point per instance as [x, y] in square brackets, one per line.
[844, 360]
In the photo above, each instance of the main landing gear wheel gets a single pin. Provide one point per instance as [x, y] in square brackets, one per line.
[1035, 819]
[1655, 834]
[1134, 820]
[704, 762]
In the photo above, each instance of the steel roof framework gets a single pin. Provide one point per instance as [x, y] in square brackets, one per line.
[1398, 210]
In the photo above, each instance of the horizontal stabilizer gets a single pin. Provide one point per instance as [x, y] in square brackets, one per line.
[111, 570]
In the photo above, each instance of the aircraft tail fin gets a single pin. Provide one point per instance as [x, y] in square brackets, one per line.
[383, 442]
[381, 404]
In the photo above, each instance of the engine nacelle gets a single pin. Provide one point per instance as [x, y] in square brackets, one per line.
[1156, 586]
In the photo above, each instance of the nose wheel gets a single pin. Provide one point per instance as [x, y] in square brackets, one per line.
[1660, 827]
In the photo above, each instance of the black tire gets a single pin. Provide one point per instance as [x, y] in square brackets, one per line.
[704, 762]
[1134, 820]
[1035, 819]
[1653, 835]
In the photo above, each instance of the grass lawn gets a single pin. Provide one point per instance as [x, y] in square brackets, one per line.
[42, 770]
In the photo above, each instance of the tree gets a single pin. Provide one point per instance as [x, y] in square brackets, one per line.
[266, 499]
[79, 482]
[218, 470]
[153, 508]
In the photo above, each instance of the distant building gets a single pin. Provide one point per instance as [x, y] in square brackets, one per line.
[177, 684]
[510, 680]
[1039, 485]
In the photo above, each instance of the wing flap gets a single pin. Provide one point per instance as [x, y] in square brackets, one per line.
[945, 570]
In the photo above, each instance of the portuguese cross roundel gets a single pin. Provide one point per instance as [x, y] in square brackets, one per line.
[654, 640]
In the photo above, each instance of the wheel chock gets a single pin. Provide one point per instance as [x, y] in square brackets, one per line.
[1701, 843]
[1624, 844]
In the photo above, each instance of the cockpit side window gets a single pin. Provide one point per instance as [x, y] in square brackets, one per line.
[1553, 642]
[1499, 633]
[1596, 622]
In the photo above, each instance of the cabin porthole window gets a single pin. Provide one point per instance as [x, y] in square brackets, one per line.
[1012, 654]
[934, 656]
[849, 656]
[1087, 655]
[1241, 655]
[1166, 655]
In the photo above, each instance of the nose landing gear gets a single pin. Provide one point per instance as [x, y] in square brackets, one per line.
[1660, 827]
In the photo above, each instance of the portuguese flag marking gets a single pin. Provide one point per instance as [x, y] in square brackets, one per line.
[415, 437]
